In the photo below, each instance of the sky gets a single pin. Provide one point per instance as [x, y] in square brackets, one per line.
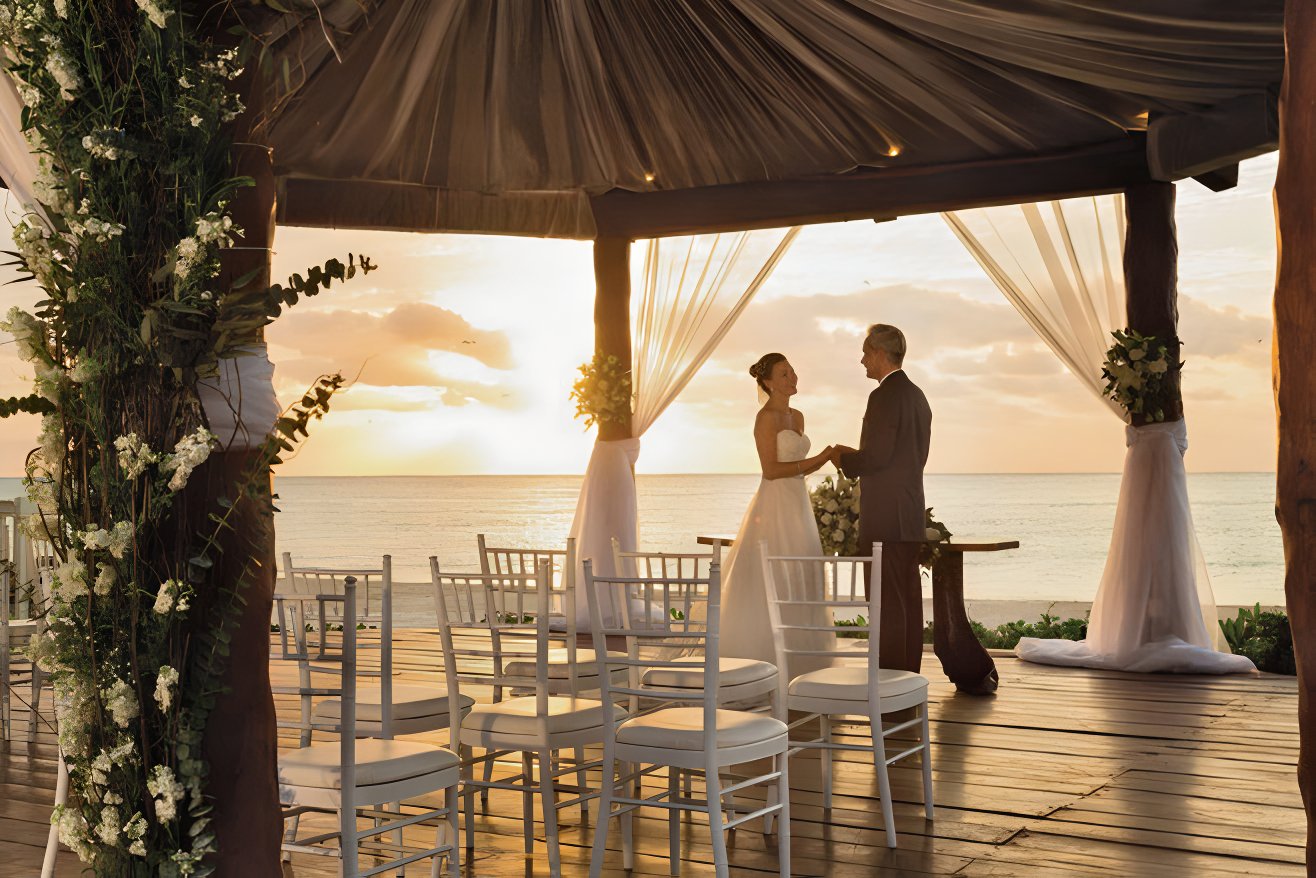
[462, 351]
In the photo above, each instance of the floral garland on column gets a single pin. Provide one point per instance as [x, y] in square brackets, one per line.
[126, 109]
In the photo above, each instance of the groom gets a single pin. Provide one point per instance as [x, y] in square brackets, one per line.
[889, 464]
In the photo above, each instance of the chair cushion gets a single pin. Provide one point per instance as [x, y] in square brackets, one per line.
[731, 672]
[682, 728]
[377, 762]
[558, 666]
[850, 683]
[409, 702]
[517, 716]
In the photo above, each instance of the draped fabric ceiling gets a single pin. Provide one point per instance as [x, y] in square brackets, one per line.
[577, 118]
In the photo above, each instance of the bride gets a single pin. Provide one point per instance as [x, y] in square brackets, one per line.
[781, 517]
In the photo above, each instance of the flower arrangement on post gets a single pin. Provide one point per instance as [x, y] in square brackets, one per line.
[128, 111]
[602, 393]
[1139, 372]
[836, 510]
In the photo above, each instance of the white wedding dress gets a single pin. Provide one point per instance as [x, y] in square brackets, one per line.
[780, 517]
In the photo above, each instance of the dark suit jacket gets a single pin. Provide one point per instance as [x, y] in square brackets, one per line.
[889, 463]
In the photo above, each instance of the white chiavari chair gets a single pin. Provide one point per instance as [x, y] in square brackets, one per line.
[853, 685]
[351, 776]
[687, 730]
[486, 622]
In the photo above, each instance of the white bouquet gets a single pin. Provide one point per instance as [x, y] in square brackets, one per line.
[836, 509]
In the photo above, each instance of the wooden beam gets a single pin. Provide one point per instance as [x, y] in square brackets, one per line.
[1220, 179]
[1294, 370]
[880, 194]
[241, 736]
[612, 314]
[1151, 276]
[1186, 145]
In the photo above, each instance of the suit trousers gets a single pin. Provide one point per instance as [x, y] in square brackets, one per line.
[901, 629]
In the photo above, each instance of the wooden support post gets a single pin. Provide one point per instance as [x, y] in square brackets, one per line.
[1151, 254]
[241, 741]
[612, 314]
[1294, 371]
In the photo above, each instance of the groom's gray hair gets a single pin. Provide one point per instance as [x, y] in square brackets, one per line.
[885, 337]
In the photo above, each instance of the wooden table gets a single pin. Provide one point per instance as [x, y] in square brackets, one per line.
[962, 657]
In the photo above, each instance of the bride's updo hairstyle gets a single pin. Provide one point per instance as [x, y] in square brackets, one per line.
[762, 370]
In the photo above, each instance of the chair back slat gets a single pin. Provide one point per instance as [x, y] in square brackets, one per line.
[660, 640]
[562, 583]
[316, 598]
[844, 587]
[487, 621]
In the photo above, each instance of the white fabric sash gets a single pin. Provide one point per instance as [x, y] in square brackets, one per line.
[240, 404]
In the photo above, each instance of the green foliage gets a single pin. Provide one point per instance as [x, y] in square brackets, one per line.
[1138, 372]
[859, 621]
[1264, 637]
[1008, 634]
[31, 404]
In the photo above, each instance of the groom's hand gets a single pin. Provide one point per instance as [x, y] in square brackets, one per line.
[837, 451]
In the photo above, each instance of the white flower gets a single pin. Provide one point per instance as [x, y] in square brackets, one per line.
[62, 8]
[70, 580]
[831, 506]
[188, 256]
[137, 848]
[30, 95]
[190, 452]
[121, 702]
[1158, 367]
[98, 538]
[838, 535]
[134, 455]
[183, 81]
[166, 598]
[121, 539]
[105, 579]
[60, 66]
[108, 829]
[196, 121]
[825, 518]
[164, 687]
[1136, 354]
[155, 11]
[167, 792]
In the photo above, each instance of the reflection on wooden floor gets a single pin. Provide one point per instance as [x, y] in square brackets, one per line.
[1063, 772]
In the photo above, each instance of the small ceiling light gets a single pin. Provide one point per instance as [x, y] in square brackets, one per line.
[648, 176]
[893, 151]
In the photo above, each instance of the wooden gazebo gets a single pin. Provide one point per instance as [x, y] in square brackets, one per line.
[613, 122]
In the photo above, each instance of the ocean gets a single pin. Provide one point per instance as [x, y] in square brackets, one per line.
[1062, 523]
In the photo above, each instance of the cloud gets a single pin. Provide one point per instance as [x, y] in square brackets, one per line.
[1227, 331]
[398, 349]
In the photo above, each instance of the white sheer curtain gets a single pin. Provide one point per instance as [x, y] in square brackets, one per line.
[693, 290]
[1061, 265]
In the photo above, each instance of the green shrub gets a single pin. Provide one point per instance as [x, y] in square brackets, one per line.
[1264, 637]
[1008, 634]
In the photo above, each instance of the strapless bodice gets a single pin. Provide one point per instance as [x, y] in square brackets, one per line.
[791, 446]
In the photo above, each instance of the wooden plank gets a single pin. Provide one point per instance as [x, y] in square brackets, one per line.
[879, 194]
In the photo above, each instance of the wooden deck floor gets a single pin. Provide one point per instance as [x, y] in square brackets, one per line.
[1063, 772]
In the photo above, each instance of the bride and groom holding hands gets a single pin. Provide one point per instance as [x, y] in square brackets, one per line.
[893, 449]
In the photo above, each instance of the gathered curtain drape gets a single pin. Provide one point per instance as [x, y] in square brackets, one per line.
[694, 288]
[1061, 265]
